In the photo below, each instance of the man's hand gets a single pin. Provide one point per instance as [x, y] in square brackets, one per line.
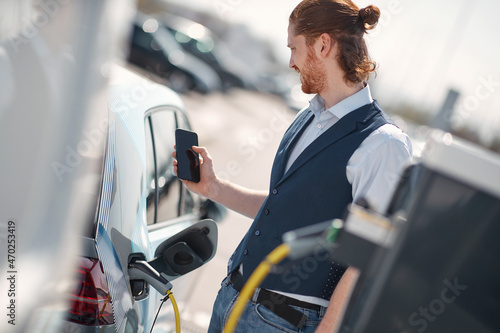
[208, 185]
[237, 198]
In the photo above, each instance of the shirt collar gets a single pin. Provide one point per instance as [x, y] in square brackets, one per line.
[351, 103]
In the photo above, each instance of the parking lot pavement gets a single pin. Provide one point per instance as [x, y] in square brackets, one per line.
[242, 131]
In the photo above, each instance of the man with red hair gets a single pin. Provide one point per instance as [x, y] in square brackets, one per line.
[340, 149]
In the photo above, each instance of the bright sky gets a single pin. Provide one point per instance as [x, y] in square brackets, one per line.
[423, 48]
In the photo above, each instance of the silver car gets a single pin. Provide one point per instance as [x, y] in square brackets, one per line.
[148, 228]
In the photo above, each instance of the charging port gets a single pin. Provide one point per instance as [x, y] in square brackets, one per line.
[139, 288]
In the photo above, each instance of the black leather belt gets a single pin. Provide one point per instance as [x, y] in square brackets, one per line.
[279, 304]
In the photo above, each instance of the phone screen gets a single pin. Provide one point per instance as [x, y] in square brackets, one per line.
[188, 162]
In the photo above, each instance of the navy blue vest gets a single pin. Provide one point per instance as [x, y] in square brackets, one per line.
[313, 190]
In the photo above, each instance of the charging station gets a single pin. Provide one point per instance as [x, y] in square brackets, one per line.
[437, 267]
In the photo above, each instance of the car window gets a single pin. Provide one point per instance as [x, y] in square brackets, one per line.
[167, 188]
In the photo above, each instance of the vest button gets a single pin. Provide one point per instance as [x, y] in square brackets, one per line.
[245, 252]
[257, 232]
[266, 212]
[275, 191]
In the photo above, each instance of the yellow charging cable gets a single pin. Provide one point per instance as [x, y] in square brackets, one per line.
[170, 296]
[176, 311]
[273, 258]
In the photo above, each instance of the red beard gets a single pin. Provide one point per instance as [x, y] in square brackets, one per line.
[313, 75]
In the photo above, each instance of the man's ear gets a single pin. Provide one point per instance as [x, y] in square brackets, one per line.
[326, 45]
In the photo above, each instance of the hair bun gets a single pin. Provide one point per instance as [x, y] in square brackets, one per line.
[369, 16]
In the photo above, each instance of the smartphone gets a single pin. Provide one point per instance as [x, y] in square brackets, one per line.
[188, 162]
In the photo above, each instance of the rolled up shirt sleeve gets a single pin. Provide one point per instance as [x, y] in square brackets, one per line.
[375, 167]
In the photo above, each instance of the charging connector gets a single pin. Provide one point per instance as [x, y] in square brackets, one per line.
[142, 270]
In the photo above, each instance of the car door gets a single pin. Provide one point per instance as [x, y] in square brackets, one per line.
[170, 206]
[168, 199]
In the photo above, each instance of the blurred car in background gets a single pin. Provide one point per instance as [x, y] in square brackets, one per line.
[203, 44]
[144, 212]
[154, 49]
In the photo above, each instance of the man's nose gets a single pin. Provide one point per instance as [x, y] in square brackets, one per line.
[291, 63]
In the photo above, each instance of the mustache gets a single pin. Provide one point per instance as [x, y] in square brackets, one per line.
[296, 69]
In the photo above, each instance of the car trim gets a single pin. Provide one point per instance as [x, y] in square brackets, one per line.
[169, 223]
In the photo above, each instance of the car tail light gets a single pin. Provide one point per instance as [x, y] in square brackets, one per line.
[91, 300]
